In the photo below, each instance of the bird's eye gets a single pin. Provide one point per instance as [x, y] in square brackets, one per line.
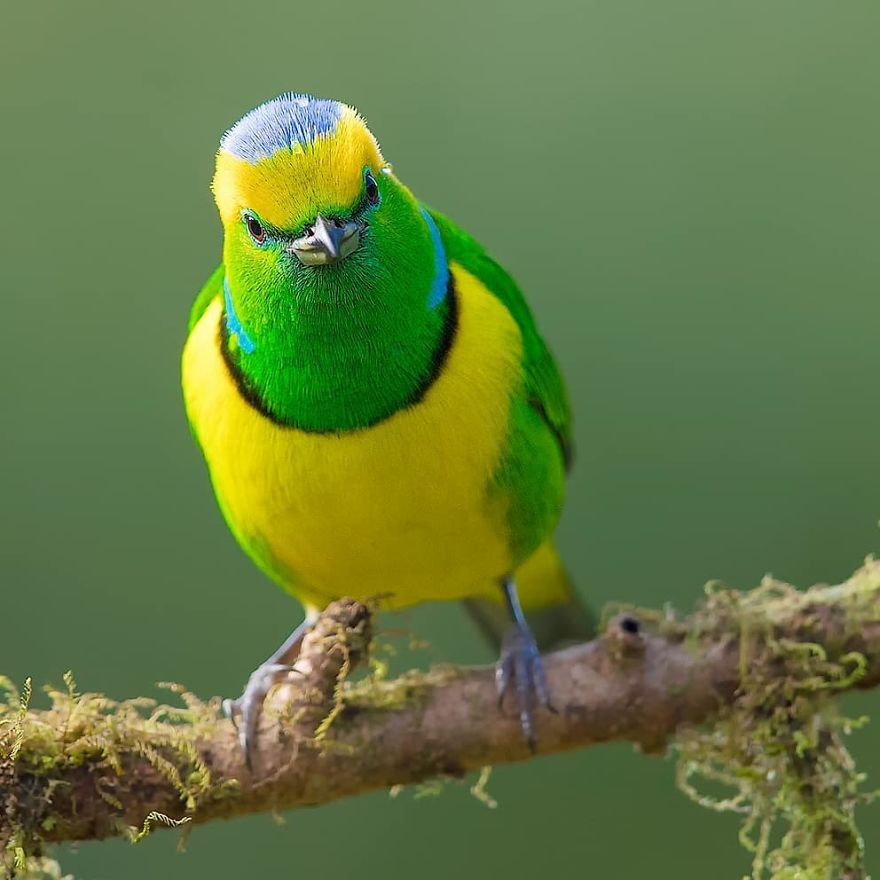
[371, 189]
[255, 228]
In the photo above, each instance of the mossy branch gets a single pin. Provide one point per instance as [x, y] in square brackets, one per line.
[741, 689]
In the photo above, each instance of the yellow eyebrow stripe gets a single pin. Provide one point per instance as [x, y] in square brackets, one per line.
[287, 188]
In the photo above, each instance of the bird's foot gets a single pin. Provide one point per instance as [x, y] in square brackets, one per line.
[245, 712]
[522, 669]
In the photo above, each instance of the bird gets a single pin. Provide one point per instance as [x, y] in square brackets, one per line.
[380, 417]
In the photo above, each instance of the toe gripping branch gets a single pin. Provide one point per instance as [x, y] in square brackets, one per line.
[303, 691]
[521, 669]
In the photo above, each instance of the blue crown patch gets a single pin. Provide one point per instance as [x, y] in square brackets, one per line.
[281, 123]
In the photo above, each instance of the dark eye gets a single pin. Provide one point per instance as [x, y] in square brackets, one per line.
[371, 189]
[255, 228]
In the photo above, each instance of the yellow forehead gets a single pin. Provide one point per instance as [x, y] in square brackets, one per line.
[287, 188]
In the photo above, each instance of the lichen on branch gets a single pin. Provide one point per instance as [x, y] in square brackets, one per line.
[743, 691]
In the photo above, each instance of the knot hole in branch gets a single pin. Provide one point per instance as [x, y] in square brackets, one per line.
[623, 635]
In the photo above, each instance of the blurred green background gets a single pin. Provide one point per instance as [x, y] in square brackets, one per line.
[709, 174]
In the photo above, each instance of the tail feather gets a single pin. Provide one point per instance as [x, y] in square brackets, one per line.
[557, 615]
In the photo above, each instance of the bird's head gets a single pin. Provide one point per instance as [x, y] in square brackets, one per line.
[335, 277]
[309, 204]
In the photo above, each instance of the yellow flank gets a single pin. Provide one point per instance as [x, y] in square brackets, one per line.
[375, 513]
[541, 580]
[286, 188]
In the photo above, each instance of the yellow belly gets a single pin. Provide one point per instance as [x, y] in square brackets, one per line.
[402, 511]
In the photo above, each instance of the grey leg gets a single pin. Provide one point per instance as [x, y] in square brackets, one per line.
[521, 666]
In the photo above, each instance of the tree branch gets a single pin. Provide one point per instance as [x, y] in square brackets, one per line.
[89, 768]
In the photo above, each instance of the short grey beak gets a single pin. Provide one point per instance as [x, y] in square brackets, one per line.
[327, 241]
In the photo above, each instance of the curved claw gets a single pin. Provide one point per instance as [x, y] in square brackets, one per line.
[249, 706]
[230, 707]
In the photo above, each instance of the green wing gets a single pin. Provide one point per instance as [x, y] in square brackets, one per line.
[211, 288]
[545, 387]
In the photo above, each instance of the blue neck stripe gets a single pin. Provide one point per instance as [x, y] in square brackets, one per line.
[233, 324]
[441, 267]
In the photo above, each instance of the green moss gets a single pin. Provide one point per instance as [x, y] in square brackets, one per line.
[43, 869]
[37, 748]
[778, 752]
[378, 693]
[409, 689]
[480, 791]
[436, 786]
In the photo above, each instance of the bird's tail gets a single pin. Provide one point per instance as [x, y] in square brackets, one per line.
[557, 615]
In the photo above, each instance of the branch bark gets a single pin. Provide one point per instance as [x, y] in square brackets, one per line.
[640, 680]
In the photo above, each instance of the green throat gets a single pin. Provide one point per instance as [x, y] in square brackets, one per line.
[342, 347]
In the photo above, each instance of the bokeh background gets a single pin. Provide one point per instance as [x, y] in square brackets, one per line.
[706, 175]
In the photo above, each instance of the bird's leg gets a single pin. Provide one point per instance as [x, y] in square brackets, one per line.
[249, 706]
[521, 666]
